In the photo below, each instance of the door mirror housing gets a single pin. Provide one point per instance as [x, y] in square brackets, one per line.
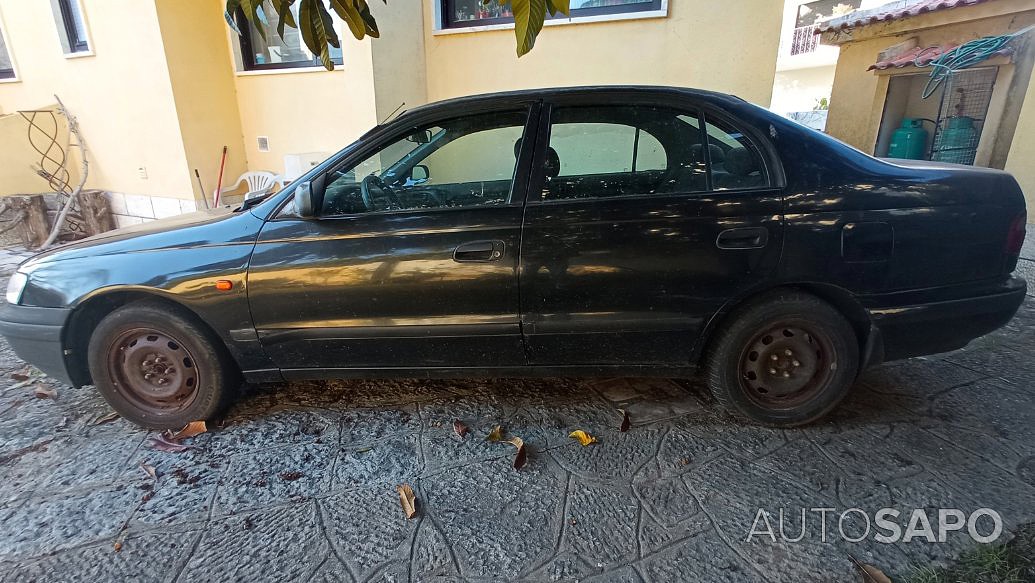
[304, 200]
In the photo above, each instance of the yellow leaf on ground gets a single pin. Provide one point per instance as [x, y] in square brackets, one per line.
[408, 500]
[496, 434]
[583, 437]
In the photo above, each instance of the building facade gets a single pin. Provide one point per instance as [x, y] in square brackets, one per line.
[160, 86]
[982, 115]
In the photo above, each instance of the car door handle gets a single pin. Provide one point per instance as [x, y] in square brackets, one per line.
[743, 238]
[479, 252]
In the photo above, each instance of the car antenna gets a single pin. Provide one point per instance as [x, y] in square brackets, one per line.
[391, 115]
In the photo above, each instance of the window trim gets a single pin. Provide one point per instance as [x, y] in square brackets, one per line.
[13, 76]
[775, 179]
[402, 126]
[442, 25]
[248, 64]
[76, 46]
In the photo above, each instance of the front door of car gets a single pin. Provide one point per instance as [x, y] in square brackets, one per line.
[411, 260]
[636, 233]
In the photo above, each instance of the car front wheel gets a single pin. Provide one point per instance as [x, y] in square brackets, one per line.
[158, 368]
[785, 359]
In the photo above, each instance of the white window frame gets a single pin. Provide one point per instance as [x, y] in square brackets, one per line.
[242, 71]
[10, 54]
[439, 29]
[66, 43]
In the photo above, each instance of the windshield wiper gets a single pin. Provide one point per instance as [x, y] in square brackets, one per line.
[250, 202]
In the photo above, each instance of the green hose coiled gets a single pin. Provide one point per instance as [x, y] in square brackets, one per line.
[964, 56]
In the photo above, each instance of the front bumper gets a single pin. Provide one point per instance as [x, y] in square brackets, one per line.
[35, 335]
[945, 324]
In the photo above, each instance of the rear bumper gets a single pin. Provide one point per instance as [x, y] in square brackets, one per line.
[35, 335]
[941, 326]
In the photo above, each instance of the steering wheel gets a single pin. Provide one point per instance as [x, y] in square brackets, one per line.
[382, 202]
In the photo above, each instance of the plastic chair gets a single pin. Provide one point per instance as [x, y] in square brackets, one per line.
[258, 183]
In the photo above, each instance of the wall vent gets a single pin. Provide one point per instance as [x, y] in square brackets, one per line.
[264, 143]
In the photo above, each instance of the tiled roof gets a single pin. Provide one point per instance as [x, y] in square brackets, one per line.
[922, 56]
[891, 11]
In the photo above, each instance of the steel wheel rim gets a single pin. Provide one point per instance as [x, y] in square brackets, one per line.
[787, 364]
[154, 371]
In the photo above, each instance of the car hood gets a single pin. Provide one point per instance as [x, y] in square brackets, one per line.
[198, 229]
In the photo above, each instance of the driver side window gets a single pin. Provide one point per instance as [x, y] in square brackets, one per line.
[462, 162]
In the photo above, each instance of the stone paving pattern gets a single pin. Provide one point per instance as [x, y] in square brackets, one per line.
[299, 481]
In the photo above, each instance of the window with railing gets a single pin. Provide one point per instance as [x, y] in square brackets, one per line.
[804, 39]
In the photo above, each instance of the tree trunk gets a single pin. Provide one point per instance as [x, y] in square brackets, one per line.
[35, 227]
[97, 217]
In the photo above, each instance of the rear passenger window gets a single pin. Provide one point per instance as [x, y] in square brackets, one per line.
[611, 151]
[736, 163]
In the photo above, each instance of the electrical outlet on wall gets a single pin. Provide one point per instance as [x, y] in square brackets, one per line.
[142, 172]
[264, 143]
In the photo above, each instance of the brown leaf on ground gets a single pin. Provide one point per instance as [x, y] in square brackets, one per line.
[160, 443]
[521, 458]
[870, 573]
[625, 421]
[583, 437]
[19, 376]
[149, 470]
[118, 546]
[190, 430]
[495, 435]
[106, 418]
[44, 392]
[459, 428]
[408, 500]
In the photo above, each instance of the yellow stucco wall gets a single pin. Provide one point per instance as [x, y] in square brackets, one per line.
[203, 89]
[1021, 162]
[858, 96]
[731, 48]
[122, 95]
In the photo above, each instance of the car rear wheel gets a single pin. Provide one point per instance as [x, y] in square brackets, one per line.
[158, 368]
[785, 359]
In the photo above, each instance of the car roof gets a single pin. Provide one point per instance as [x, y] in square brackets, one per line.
[546, 93]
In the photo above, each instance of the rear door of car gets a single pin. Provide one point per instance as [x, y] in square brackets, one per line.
[418, 268]
[636, 233]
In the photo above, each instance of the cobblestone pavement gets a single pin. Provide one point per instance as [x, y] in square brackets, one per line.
[299, 482]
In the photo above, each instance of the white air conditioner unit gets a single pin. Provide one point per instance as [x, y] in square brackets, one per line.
[296, 165]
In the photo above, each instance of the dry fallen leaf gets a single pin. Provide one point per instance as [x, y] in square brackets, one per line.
[106, 418]
[625, 421]
[522, 455]
[190, 430]
[459, 428]
[19, 376]
[44, 392]
[408, 500]
[583, 437]
[870, 573]
[160, 443]
[118, 546]
[149, 470]
[495, 435]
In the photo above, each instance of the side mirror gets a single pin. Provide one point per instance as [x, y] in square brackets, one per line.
[304, 200]
[420, 173]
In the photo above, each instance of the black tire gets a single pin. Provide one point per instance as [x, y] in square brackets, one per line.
[799, 375]
[190, 376]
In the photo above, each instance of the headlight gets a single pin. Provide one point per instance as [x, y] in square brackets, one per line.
[16, 286]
